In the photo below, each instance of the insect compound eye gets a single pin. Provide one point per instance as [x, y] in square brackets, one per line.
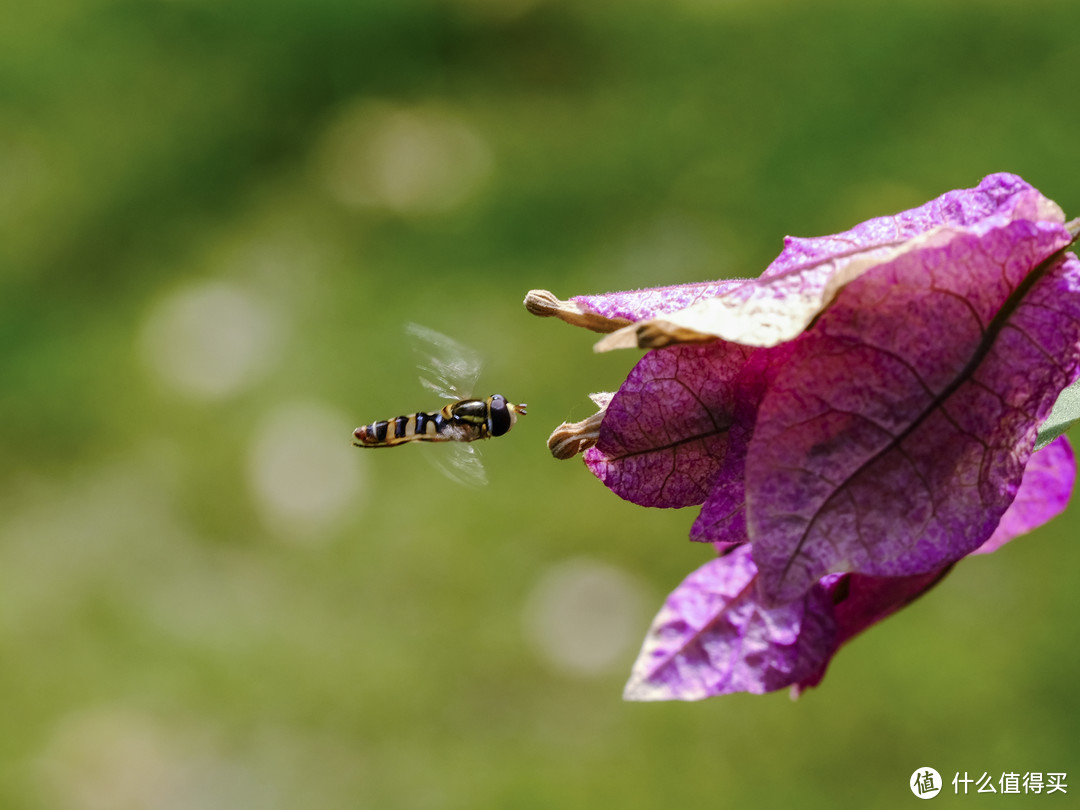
[500, 419]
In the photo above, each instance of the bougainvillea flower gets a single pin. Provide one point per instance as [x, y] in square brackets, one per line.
[866, 408]
[714, 636]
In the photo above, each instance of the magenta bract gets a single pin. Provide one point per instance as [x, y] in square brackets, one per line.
[1043, 494]
[895, 437]
[666, 432]
[715, 636]
[861, 415]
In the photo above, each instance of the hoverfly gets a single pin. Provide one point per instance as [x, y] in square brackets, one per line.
[450, 371]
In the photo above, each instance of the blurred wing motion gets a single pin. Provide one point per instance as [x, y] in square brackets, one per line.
[459, 462]
[447, 368]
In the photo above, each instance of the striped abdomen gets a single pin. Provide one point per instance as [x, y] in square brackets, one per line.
[416, 427]
[464, 421]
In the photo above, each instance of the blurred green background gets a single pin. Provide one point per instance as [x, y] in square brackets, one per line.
[215, 218]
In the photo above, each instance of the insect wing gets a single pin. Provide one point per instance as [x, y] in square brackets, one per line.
[447, 368]
[450, 371]
[459, 462]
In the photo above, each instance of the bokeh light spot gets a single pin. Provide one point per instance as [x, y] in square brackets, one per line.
[303, 472]
[584, 616]
[409, 160]
[114, 759]
[210, 340]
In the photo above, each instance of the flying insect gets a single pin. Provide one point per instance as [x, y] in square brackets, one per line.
[449, 370]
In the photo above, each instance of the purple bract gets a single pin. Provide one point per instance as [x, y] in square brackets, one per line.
[853, 422]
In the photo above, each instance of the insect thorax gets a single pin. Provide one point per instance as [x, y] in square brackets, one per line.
[469, 412]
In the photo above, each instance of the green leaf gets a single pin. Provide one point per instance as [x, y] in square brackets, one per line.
[1065, 414]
